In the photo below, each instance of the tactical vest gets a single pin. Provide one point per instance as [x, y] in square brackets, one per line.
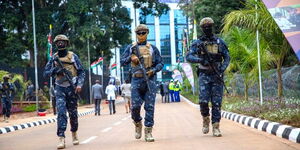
[213, 48]
[145, 52]
[6, 89]
[68, 63]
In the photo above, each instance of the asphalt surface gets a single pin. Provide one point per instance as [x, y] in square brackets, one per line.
[177, 127]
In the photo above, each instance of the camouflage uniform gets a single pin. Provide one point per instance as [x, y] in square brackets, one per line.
[139, 90]
[6, 89]
[210, 87]
[66, 99]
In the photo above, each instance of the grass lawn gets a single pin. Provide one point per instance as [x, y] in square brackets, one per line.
[286, 112]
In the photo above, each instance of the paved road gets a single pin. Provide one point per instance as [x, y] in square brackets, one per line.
[177, 127]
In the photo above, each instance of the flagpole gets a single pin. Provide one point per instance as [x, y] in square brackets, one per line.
[35, 59]
[102, 68]
[258, 58]
[50, 54]
[89, 62]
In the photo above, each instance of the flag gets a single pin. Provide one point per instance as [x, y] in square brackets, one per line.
[195, 30]
[113, 66]
[187, 68]
[96, 63]
[49, 44]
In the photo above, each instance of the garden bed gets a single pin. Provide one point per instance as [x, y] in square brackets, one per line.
[285, 112]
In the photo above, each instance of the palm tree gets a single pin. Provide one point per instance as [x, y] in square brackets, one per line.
[243, 52]
[265, 24]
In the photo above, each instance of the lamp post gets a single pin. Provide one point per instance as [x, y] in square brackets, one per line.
[35, 59]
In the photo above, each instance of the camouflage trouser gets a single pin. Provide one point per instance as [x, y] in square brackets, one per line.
[66, 100]
[6, 106]
[140, 94]
[211, 89]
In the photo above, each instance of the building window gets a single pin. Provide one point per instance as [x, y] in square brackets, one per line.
[180, 23]
[164, 18]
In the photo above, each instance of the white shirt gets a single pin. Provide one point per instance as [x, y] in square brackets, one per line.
[126, 89]
[111, 92]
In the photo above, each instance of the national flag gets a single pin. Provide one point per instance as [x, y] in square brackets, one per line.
[98, 62]
[113, 66]
[49, 44]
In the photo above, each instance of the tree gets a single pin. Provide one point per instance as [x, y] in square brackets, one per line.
[105, 23]
[243, 53]
[267, 27]
[216, 9]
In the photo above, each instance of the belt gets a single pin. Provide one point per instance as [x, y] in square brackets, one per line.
[138, 75]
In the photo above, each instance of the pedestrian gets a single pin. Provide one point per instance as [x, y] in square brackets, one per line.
[161, 91]
[212, 56]
[66, 90]
[111, 91]
[166, 91]
[126, 92]
[97, 93]
[171, 90]
[143, 56]
[52, 94]
[177, 88]
[6, 89]
[30, 92]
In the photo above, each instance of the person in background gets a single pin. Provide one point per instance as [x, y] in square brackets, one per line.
[6, 89]
[126, 93]
[97, 93]
[166, 91]
[171, 90]
[111, 97]
[177, 88]
[161, 91]
[30, 92]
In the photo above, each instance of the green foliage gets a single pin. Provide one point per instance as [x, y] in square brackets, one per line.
[216, 9]
[243, 52]
[272, 110]
[150, 7]
[30, 108]
[2, 73]
[279, 49]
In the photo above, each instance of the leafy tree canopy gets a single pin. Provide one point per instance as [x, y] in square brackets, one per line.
[216, 9]
[105, 23]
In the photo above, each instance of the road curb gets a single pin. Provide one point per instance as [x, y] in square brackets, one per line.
[275, 128]
[22, 126]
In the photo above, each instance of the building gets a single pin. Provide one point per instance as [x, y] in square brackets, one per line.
[166, 33]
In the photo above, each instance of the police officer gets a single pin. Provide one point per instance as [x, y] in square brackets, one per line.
[212, 55]
[140, 93]
[65, 93]
[6, 89]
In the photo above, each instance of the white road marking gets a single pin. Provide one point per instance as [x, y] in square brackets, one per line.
[89, 140]
[117, 123]
[106, 129]
[124, 119]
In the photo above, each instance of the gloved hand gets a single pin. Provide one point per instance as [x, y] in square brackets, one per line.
[135, 59]
[150, 73]
[78, 89]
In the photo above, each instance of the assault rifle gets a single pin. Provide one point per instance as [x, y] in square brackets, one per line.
[67, 75]
[141, 65]
[212, 65]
